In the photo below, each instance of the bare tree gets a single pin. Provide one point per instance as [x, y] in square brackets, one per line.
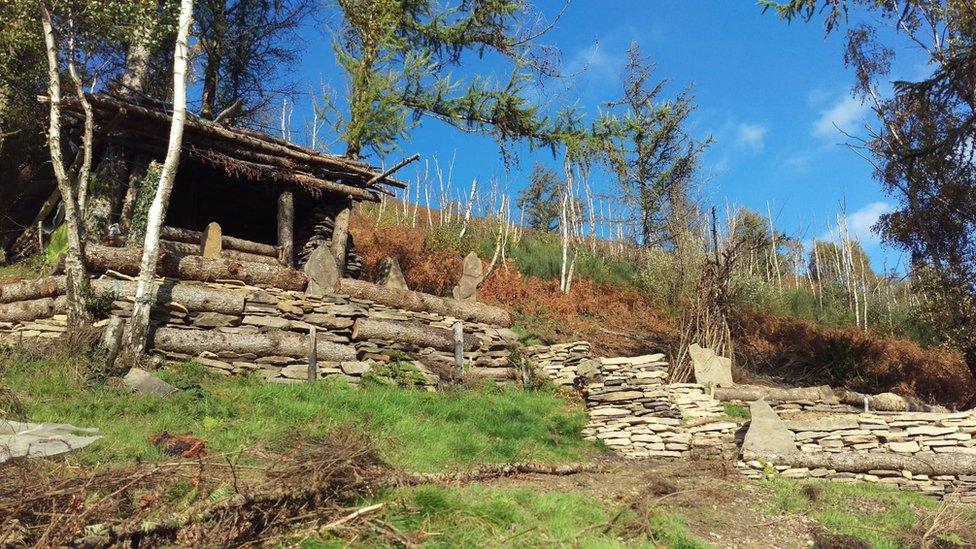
[139, 323]
[74, 262]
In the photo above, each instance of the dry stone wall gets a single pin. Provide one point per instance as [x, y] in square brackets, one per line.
[233, 328]
[903, 433]
[633, 411]
[560, 362]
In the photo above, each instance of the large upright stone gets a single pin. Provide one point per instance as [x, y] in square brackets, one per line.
[322, 272]
[211, 241]
[710, 369]
[767, 434]
[390, 274]
[472, 274]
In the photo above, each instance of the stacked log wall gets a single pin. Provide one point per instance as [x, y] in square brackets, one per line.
[234, 328]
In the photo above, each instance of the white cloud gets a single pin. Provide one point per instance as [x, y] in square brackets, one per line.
[752, 136]
[860, 222]
[846, 115]
[594, 64]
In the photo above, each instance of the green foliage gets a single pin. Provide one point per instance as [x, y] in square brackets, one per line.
[57, 244]
[880, 516]
[736, 411]
[144, 199]
[540, 255]
[29, 267]
[413, 429]
[397, 373]
[540, 199]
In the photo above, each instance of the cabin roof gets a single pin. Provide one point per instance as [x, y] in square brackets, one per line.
[241, 153]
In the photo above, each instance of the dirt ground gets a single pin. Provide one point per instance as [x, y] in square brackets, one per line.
[717, 503]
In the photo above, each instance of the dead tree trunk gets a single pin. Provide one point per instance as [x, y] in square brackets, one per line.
[275, 343]
[340, 237]
[194, 267]
[469, 311]
[74, 263]
[421, 335]
[286, 228]
[139, 324]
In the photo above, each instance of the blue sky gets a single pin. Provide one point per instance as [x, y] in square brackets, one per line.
[771, 94]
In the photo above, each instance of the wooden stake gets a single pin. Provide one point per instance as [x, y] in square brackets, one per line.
[313, 355]
[286, 228]
[459, 347]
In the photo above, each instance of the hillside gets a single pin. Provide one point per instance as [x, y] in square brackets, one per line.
[613, 305]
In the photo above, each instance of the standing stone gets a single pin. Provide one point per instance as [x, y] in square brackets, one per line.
[710, 369]
[390, 274]
[472, 274]
[767, 434]
[322, 272]
[211, 241]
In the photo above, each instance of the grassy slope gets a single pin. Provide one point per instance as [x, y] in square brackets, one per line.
[415, 430]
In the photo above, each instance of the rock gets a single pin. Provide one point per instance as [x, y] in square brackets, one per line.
[274, 322]
[355, 368]
[472, 273]
[710, 369]
[390, 274]
[322, 272]
[145, 383]
[930, 430]
[215, 320]
[888, 402]
[211, 241]
[767, 433]
[904, 447]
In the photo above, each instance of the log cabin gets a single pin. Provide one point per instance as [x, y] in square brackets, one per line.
[273, 201]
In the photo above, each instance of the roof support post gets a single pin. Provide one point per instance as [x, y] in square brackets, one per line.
[286, 228]
[340, 235]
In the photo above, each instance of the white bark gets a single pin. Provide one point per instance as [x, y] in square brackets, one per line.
[74, 262]
[467, 211]
[139, 323]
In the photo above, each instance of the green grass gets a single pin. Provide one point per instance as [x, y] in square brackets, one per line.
[878, 515]
[483, 516]
[413, 429]
[736, 411]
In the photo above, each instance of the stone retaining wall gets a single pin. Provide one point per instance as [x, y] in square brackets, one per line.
[635, 413]
[899, 432]
[291, 314]
[560, 362]
[962, 486]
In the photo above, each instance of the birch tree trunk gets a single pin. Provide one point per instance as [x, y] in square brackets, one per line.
[139, 323]
[74, 262]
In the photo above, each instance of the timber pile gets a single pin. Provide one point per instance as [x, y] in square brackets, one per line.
[634, 412]
[238, 151]
[560, 362]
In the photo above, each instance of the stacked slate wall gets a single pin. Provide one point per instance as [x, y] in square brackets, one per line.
[560, 362]
[634, 412]
[918, 436]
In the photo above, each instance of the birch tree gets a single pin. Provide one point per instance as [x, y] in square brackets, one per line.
[74, 262]
[139, 323]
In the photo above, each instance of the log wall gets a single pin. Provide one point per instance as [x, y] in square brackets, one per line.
[235, 329]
